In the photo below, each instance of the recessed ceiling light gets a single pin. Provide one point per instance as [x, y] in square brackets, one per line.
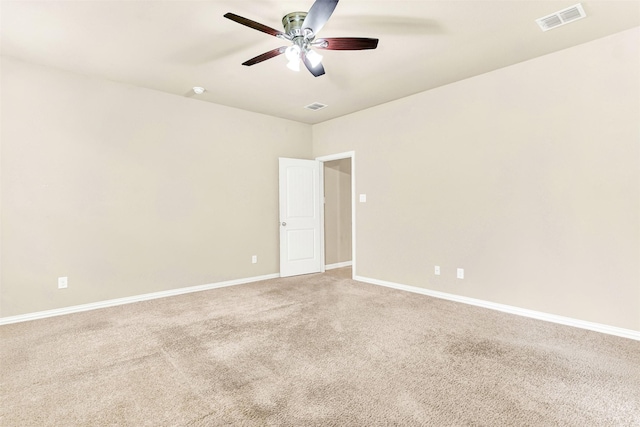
[198, 90]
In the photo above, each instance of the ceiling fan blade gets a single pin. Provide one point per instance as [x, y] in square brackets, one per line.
[267, 55]
[346, 43]
[253, 24]
[319, 14]
[317, 71]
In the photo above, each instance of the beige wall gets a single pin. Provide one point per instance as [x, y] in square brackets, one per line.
[527, 177]
[337, 211]
[128, 191]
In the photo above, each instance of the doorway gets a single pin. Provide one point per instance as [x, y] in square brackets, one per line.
[339, 210]
[302, 195]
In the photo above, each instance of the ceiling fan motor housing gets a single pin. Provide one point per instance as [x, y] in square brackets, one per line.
[292, 23]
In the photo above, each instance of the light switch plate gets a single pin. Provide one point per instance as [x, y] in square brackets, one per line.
[460, 274]
[363, 198]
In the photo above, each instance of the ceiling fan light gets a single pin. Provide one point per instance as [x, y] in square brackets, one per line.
[314, 58]
[294, 65]
[292, 53]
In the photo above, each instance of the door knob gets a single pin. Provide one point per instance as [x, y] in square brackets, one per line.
[284, 224]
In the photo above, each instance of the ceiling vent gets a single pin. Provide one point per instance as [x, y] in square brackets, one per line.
[561, 17]
[315, 106]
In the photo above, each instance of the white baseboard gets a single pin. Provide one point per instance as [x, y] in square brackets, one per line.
[129, 300]
[338, 265]
[568, 321]
[598, 327]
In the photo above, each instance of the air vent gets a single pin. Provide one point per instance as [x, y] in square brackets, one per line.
[315, 106]
[561, 17]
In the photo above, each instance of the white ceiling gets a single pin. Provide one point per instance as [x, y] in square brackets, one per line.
[172, 46]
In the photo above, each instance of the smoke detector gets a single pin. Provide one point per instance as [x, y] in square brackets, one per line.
[561, 17]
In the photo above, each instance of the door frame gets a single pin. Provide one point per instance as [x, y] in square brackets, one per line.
[339, 156]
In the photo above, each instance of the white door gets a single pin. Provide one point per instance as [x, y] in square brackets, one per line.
[300, 221]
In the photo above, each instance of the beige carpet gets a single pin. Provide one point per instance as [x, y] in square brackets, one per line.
[316, 350]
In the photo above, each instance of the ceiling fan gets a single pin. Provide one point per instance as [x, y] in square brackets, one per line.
[300, 28]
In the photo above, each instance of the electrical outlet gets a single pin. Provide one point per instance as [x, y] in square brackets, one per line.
[254, 259]
[436, 270]
[460, 273]
[63, 282]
